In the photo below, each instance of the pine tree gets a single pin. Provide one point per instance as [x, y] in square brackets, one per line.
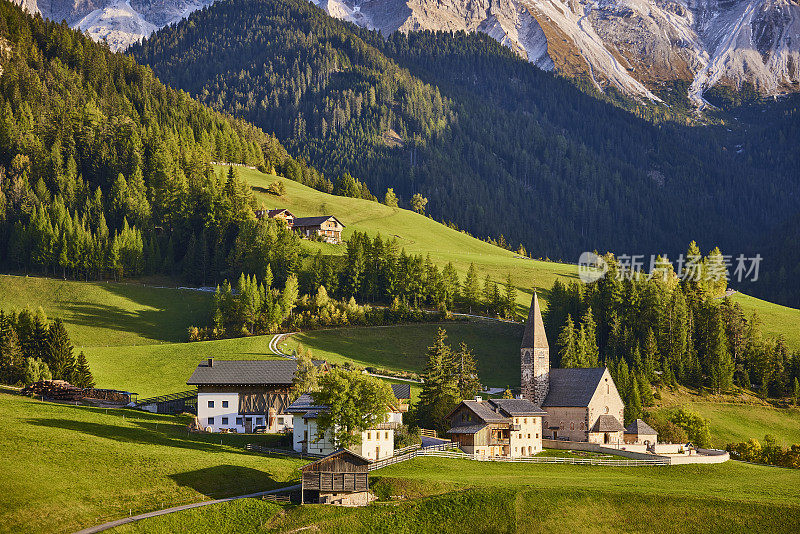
[471, 288]
[650, 355]
[796, 392]
[60, 358]
[439, 393]
[633, 408]
[567, 345]
[82, 375]
[510, 301]
[11, 358]
[466, 372]
[588, 352]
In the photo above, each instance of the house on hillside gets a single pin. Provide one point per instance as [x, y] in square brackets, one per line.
[510, 428]
[328, 227]
[581, 404]
[244, 395]
[340, 478]
[376, 442]
[280, 213]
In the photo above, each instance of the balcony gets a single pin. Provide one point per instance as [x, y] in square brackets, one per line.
[500, 441]
[515, 428]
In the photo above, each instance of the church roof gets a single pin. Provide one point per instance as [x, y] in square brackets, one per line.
[573, 387]
[607, 423]
[640, 427]
[534, 336]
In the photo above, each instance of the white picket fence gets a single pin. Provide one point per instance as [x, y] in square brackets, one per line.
[447, 451]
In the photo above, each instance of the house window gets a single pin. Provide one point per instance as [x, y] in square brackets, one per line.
[386, 436]
[224, 420]
[561, 424]
[583, 426]
[224, 404]
[280, 420]
[239, 421]
[210, 420]
[369, 436]
[525, 420]
[572, 425]
[259, 421]
[537, 436]
[210, 404]
[529, 436]
[606, 409]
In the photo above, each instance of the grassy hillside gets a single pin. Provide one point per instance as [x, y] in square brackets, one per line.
[415, 233]
[69, 467]
[495, 344]
[107, 313]
[495, 497]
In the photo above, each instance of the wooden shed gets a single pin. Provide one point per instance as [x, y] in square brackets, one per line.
[339, 478]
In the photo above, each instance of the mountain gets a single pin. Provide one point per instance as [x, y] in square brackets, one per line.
[118, 22]
[642, 48]
[496, 145]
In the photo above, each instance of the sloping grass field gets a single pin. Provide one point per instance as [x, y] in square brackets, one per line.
[466, 496]
[70, 467]
[402, 348]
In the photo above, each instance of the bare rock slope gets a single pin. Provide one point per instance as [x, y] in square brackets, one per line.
[636, 46]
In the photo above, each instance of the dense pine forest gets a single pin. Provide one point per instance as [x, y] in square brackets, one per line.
[104, 171]
[659, 329]
[496, 145]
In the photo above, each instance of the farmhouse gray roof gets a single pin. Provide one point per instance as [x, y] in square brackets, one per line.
[313, 221]
[467, 429]
[607, 423]
[641, 428]
[517, 407]
[485, 412]
[401, 391]
[245, 372]
[534, 335]
[573, 387]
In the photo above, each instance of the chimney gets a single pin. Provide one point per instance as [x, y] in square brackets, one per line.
[211, 362]
[478, 398]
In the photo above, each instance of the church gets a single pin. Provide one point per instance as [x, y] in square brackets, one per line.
[581, 404]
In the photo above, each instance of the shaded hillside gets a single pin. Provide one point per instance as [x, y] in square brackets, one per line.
[498, 146]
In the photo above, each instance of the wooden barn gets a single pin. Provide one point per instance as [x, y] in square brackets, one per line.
[341, 478]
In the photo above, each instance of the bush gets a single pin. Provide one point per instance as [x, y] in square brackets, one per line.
[277, 188]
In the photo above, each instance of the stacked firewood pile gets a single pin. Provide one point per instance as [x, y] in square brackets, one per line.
[110, 395]
[55, 390]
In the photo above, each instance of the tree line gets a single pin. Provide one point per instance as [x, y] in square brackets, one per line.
[33, 348]
[659, 329]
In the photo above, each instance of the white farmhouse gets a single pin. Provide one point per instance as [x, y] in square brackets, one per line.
[244, 395]
[376, 442]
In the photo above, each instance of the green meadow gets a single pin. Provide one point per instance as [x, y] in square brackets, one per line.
[70, 467]
[466, 496]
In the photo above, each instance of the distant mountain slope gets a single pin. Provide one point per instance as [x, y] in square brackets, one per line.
[634, 46]
[496, 145]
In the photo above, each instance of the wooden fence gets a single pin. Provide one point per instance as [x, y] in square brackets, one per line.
[287, 452]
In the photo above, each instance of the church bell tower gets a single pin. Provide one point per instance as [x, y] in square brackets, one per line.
[535, 356]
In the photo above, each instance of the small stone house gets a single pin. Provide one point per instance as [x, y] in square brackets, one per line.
[244, 395]
[341, 478]
[377, 442]
[326, 226]
[640, 432]
[509, 428]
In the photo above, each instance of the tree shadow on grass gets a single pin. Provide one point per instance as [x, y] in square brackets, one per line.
[222, 481]
[149, 433]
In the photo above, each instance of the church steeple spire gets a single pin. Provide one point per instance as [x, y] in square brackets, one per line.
[535, 356]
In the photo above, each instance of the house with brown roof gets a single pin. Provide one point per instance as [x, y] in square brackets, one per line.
[640, 432]
[510, 428]
[341, 478]
[581, 404]
[327, 227]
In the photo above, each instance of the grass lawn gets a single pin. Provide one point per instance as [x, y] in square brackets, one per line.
[107, 313]
[468, 496]
[69, 467]
[776, 320]
[495, 344]
[735, 418]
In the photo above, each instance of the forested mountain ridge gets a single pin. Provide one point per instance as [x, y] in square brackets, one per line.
[104, 171]
[499, 147]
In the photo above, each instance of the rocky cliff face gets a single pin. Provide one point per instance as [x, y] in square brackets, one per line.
[119, 22]
[635, 46]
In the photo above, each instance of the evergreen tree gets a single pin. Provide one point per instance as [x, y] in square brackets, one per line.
[588, 352]
[390, 199]
[465, 372]
[82, 375]
[471, 288]
[567, 345]
[633, 408]
[510, 298]
[60, 358]
[439, 393]
[11, 358]
[796, 391]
